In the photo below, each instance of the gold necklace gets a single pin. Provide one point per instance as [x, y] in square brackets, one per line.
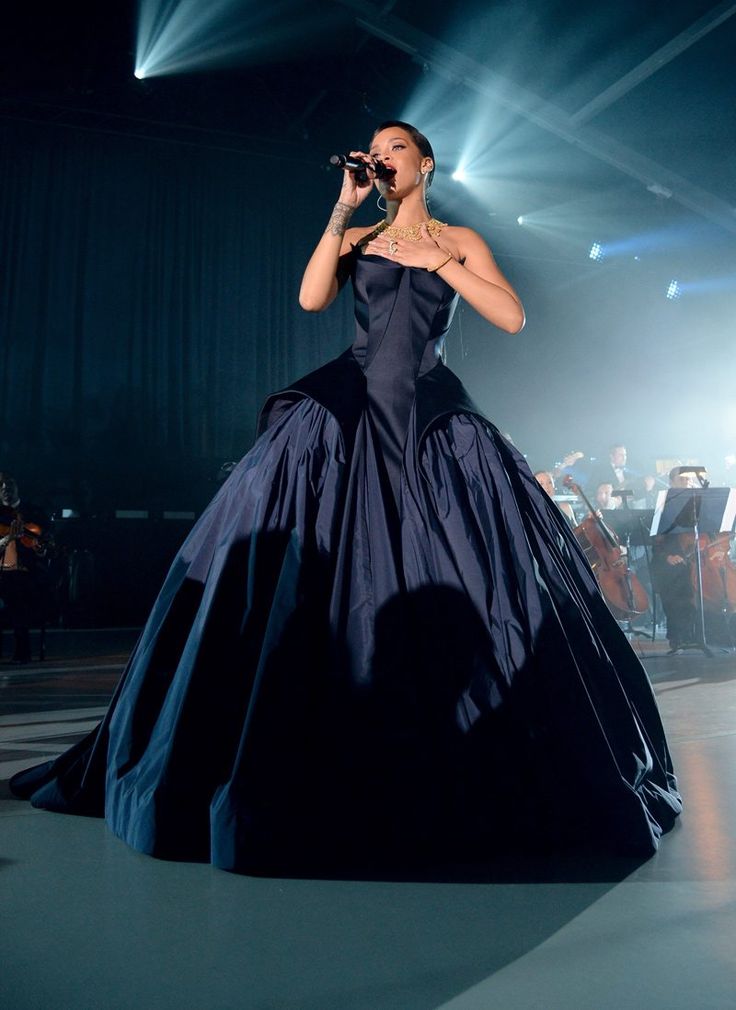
[410, 232]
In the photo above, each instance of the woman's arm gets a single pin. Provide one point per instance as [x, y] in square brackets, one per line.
[328, 266]
[477, 278]
[480, 282]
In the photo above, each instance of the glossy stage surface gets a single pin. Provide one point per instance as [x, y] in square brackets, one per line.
[89, 923]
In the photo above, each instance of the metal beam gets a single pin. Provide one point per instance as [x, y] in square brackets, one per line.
[664, 55]
[462, 70]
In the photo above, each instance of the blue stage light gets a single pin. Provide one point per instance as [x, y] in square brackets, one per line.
[459, 174]
[674, 290]
[138, 73]
[181, 36]
[596, 252]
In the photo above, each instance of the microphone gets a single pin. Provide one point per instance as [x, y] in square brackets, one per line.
[360, 168]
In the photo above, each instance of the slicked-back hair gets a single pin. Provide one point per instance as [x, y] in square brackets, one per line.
[425, 148]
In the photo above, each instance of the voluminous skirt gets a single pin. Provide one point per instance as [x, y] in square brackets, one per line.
[339, 667]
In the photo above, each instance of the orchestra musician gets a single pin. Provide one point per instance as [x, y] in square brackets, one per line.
[671, 574]
[605, 498]
[24, 548]
[546, 480]
[616, 472]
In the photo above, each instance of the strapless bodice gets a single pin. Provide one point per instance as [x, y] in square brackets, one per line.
[402, 315]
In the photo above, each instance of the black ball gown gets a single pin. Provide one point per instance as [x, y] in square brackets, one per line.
[379, 640]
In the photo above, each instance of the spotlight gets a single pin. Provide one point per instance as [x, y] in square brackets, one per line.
[596, 252]
[520, 219]
[139, 73]
[674, 290]
[459, 174]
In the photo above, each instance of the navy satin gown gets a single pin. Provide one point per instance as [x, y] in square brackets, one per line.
[380, 640]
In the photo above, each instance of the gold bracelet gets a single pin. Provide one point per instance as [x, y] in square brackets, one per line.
[433, 270]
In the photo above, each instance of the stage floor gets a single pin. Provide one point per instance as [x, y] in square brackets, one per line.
[88, 924]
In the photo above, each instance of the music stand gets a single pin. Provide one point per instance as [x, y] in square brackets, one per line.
[695, 510]
[631, 525]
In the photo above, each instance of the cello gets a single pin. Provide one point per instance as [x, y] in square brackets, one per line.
[717, 570]
[623, 592]
[719, 575]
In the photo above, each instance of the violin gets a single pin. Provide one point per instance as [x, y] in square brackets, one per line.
[13, 526]
[623, 592]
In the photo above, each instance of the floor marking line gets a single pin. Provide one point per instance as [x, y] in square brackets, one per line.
[50, 730]
[52, 715]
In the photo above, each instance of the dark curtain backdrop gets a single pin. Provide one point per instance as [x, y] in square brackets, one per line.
[149, 303]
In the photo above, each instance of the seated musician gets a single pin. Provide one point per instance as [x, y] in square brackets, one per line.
[547, 481]
[24, 547]
[672, 577]
[605, 498]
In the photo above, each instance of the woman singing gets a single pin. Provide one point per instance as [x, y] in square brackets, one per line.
[380, 640]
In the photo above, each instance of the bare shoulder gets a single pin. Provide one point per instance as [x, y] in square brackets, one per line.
[355, 236]
[466, 241]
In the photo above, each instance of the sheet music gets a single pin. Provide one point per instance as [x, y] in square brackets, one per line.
[728, 518]
[729, 513]
[658, 510]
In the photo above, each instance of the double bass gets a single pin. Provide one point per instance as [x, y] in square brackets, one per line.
[623, 592]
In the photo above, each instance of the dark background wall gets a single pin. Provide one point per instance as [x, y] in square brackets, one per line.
[149, 303]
